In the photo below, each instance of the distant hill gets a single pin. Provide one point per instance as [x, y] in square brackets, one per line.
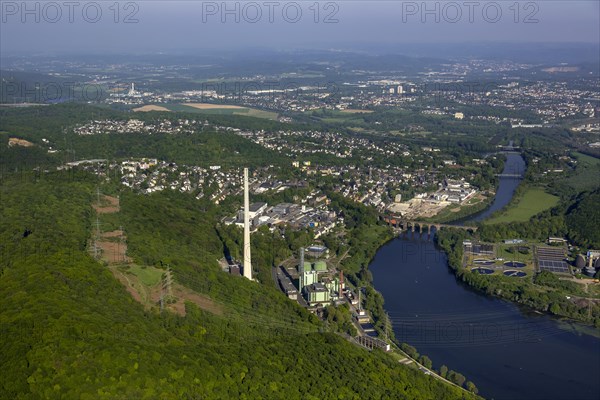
[31, 87]
[56, 122]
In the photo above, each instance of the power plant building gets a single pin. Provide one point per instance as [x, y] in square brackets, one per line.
[315, 282]
[317, 293]
[308, 276]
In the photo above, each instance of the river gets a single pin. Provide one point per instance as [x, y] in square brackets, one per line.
[514, 165]
[509, 352]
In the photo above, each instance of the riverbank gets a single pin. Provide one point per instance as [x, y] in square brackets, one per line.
[543, 293]
[529, 200]
[462, 214]
[367, 240]
[474, 329]
[418, 311]
[489, 340]
[383, 324]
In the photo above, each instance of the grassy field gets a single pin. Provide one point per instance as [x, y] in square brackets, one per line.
[245, 111]
[510, 252]
[586, 160]
[339, 117]
[356, 111]
[149, 276]
[534, 201]
[447, 214]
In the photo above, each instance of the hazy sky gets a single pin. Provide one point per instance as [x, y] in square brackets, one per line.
[85, 26]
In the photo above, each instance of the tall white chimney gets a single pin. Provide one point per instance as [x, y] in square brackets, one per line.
[301, 269]
[247, 257]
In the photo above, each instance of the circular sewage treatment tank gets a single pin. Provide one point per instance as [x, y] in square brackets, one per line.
[518, 274]
[483, 271]
[514, 264]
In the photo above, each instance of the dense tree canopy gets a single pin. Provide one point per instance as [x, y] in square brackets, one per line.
[584, 220]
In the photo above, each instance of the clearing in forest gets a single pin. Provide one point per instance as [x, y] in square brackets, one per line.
[146, 284]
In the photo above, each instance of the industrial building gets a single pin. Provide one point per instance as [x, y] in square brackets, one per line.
[316, 284]
[317, 251]
[373, 343]
[552, 259]
[286, 284]
[592, 262]
[317, 293]
[480, 249]
[295, 215]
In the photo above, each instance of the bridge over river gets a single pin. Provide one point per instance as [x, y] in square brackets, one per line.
[420, 226]
[516, 176]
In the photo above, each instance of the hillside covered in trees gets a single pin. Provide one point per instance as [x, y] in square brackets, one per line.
[583, 220]
[53, 128]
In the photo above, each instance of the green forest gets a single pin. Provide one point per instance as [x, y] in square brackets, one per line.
[55, 124]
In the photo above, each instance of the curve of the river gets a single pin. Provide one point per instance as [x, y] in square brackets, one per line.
[509, 352]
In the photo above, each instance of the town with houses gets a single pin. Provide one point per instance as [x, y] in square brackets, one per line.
[545, 101]
[316, 283]
[367, 185]
[421, 182]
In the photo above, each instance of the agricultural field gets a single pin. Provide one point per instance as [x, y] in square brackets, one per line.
[586, 160]
[348, 117]
[534, 201]
[356, 111]
[151, 107]
[222, 109]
